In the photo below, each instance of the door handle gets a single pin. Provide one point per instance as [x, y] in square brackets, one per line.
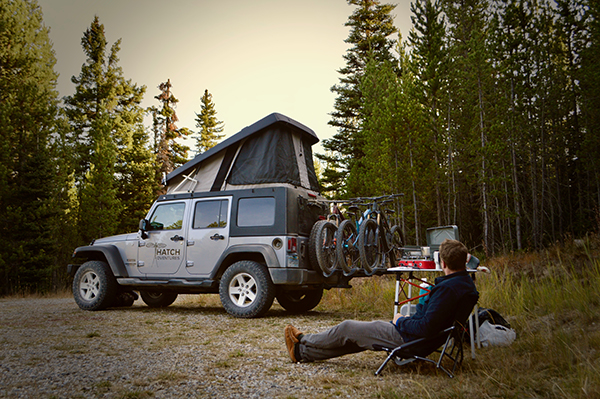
[177, 238]
[217, 236]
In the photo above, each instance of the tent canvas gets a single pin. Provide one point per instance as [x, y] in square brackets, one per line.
[276, 150]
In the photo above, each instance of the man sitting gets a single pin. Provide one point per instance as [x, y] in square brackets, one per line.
[437, 313]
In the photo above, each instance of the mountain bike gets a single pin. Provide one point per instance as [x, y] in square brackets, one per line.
[378, 244]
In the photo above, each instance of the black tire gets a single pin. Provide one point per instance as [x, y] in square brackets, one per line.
[346, 248]
[297, 301]
[369, 246]
[397, 241]
[94, 286]
[325, 248]
[157, 299]
[313, 243]
[246, 289]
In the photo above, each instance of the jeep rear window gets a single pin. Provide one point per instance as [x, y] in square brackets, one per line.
[256, 212]
[210, 214]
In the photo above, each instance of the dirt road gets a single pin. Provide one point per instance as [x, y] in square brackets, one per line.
[51, 348]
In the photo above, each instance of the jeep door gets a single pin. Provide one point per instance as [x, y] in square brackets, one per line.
[163, 251]
[208, 234]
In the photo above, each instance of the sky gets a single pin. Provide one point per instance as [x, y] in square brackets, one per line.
[255, 57]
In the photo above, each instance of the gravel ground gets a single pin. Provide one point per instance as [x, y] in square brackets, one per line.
[49, 348]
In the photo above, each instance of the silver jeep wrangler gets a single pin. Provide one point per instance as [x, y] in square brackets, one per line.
[236, 221]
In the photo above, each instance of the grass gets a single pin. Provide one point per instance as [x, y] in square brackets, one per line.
[552, 300]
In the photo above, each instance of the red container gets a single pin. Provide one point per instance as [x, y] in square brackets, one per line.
[417, 264]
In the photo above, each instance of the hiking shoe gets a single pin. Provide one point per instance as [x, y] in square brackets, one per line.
[291, 334]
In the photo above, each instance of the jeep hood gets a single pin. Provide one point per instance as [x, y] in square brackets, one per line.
[117, 238]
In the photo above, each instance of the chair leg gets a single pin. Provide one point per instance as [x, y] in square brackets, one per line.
[472, 332]
[477, 338]
[384, 363]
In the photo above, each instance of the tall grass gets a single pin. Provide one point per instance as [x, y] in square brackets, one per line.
[552, 300]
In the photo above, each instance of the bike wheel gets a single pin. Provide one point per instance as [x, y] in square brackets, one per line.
[369, 245]
[325, 248]
[397, 240]
[346, 249]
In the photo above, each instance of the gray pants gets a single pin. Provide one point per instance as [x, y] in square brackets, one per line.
[349, 336]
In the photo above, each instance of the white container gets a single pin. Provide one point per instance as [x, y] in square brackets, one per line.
[404, 309]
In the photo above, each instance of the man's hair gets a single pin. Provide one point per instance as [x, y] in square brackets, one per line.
[454, 254]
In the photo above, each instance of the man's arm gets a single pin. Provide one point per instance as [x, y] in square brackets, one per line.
[439, 314]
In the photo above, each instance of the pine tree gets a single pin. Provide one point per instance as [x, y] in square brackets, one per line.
[109, 140]
[28, 116]
[393, 126]
[371, 26]
[590, 87]
[210, 127]
[136, 171]
[429, 66]
[170, 153]
[512, 46]
[472, 112]
[99, 207]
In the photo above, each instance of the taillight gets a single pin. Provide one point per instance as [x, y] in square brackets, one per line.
[292, 244]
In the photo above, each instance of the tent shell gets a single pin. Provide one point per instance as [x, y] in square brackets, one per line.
[274, 151]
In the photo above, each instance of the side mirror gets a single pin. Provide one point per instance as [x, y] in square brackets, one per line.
[144, 227]
[144, 224]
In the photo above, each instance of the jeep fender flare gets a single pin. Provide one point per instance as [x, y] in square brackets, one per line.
[263, 250]
[108, 252]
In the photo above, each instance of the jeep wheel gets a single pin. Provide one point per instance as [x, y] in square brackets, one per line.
[156, 299]
[246, 289]
[299, 301]
[94, 286]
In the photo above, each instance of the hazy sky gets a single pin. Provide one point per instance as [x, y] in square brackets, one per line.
[254, 56]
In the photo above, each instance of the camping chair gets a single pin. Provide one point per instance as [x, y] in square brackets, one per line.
[450, 340]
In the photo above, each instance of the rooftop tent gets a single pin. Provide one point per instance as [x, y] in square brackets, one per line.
[275, 150]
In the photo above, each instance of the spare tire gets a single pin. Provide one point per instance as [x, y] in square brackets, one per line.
[299, 301]
[157, 299]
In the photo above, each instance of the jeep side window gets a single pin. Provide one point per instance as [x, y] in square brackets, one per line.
[167, 217]
[256, 212]
[210, 214]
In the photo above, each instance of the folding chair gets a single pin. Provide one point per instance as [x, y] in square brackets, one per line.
[450, 340]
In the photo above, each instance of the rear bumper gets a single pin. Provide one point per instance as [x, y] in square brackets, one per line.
[284, 276]
[302, 277]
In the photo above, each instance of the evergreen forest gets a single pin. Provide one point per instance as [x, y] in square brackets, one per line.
[485, 115]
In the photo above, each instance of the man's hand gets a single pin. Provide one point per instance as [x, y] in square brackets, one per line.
[397, 316]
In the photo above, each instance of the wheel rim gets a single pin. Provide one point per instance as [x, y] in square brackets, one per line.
[89, 286]
[154, 295]
[243, 290]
